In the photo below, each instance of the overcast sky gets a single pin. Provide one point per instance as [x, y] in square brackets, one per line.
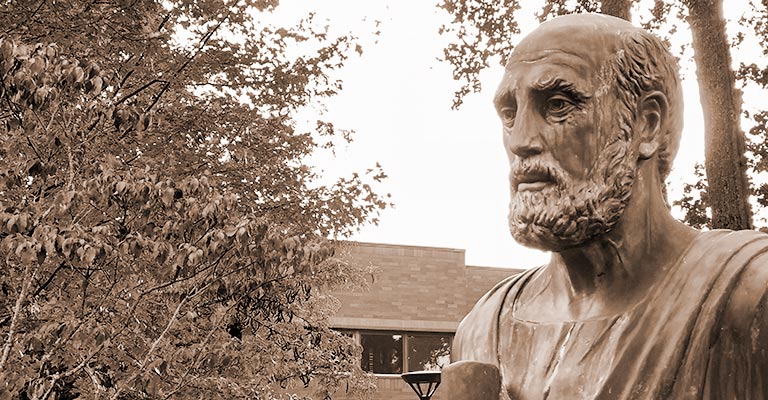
[447, 168]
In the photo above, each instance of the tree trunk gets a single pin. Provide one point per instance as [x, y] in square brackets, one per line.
[617, 8]
[725, 162]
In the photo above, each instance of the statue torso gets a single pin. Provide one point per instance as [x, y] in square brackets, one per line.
[679, 341]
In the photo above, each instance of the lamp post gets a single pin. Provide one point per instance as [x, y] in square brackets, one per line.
[424, 383]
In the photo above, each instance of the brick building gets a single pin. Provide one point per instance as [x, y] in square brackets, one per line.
[407, 319]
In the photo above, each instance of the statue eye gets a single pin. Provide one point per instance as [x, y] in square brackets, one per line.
[508, 115]
[558, 106]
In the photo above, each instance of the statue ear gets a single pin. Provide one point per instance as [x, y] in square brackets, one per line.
[652, 113]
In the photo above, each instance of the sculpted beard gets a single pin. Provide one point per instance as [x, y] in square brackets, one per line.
[570, 213]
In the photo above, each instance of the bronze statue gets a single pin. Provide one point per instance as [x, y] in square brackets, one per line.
[633, 304]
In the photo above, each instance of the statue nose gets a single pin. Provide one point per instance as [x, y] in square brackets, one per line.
[524, 141]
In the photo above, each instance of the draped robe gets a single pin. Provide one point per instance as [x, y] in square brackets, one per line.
[702, 333]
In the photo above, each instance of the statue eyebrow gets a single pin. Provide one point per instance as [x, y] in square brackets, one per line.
[503, 97]
[557, 84]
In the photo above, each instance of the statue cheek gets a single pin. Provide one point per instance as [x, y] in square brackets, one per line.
[506, 140]
[576, 148]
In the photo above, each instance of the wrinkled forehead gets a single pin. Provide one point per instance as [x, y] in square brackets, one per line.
[588, 39]
[548, 66]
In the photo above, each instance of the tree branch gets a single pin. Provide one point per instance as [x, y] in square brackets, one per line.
[56, 377]
[16, 312]
[139, 90]
[203, 42]
[194, 360]
[152, 348]
[49, 280]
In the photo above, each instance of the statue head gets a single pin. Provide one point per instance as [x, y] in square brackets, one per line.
[584, 99]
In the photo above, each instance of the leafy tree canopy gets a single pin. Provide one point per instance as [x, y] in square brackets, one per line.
[160, 235]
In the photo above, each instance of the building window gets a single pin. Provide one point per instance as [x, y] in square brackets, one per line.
[399, 352]
[382, 353]
[428, 352]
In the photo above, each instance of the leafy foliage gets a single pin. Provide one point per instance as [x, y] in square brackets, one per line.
[160, 236]
[481, 28]
[481, 31]
[694, 200]
[754, 74]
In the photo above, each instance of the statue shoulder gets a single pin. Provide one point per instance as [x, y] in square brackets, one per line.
[475, 338]
[732, 322]
[746, 308]
[738, 297]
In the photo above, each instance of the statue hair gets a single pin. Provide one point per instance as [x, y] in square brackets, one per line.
[643, 64]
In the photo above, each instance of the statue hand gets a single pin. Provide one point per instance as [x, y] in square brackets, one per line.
[470, 380]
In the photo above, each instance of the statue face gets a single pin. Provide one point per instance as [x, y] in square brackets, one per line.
[571, 168]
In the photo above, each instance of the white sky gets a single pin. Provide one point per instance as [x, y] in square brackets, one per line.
[447, 169]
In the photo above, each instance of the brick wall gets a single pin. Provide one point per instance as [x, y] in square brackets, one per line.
[478, 280]
[416, 289]
[412, 284]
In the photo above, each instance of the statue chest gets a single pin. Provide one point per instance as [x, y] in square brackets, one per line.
[671, 345]
[612, 358]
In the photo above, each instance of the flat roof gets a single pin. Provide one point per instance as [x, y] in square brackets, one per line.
[393, 245]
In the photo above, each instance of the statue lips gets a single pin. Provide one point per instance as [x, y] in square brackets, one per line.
[532, 181]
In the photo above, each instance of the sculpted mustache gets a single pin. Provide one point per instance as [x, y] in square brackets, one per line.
[540, 169]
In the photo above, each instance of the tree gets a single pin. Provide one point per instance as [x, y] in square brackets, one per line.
[725, 161]
[160, 233]
[483, 30]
